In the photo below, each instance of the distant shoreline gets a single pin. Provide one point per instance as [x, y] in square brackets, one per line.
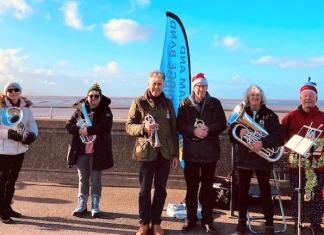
[62, 106]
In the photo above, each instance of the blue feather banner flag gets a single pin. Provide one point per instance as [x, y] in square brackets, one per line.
[175, 65]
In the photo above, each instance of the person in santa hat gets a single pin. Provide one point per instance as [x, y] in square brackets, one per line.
[200, 120]
[307, 114]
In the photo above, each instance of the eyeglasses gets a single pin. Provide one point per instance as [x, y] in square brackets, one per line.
[13, 90]
[201, 87]
[255, 95]
[95, 96]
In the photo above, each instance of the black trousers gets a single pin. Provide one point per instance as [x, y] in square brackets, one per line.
[150, 210]
[203, 174]
[10, 166]
[265, 190]
[316, 203]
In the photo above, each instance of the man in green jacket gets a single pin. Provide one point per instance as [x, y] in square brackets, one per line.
[151, 119]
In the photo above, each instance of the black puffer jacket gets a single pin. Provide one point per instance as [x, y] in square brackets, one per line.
[207, 149]
[101, 127]
[269, 121]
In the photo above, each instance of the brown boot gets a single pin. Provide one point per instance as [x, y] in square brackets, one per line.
[157, 230]
[143, 229]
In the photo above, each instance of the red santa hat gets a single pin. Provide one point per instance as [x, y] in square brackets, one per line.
[309, 86]
[200, 77]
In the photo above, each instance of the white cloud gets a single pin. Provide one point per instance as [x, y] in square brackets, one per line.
[139, 3]
[9, 58]
[238, 79]
[46, 72]
[72, 16]
[312, 62]
[19, 8]
[46, 82]
[62, 63]
[110, 68]
[229, 42]
[125, 30]
[232, 43]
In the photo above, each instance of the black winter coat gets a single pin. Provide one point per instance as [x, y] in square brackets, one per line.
[101, 127]
[201, 150]
[269, 121]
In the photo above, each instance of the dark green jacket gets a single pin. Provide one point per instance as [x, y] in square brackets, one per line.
[164, 115]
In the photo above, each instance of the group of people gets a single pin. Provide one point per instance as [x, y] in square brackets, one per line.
[152, 119]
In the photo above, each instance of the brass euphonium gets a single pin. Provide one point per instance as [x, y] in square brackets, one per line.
[85, 122]
[154, 143]
[254, 133]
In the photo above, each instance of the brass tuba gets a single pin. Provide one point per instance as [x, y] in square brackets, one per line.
[155, 144]
[254, 133]
[85, 122]
[13, 116]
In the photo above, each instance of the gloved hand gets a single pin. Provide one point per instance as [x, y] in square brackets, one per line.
[31, 137]
[14, 135]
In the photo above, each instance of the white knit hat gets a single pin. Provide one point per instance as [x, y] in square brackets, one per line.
[15, 84]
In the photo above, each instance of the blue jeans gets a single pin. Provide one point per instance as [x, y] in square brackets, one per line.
[203, 174]
[85, 172]
[150, 211]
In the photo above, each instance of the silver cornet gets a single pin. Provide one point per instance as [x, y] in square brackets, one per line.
[198, 122]
[150, 120]
[85, 122]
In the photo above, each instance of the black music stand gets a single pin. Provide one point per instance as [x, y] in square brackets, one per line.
[303, 147]
[233, 180]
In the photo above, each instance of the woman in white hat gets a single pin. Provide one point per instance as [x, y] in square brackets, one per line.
[18, 129]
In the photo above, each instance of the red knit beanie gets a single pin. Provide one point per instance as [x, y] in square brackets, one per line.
[308, 86]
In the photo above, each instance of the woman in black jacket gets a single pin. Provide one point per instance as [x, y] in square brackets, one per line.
[248, 160]
[91, 146]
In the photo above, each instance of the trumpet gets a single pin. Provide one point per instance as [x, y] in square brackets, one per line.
[155, 144]
[13, 116]
[254, 133]
[198, 122]
[85, 122]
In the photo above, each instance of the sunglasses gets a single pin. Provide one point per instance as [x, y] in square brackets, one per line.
[13, 90]
[95, 96]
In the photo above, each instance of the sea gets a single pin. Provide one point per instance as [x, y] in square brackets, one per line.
[61, 107]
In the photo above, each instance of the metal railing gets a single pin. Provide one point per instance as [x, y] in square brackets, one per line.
[119, 113]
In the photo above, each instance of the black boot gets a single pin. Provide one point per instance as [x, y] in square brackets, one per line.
[5, 218]
[10, 212]
[269, 230]
[241, 227]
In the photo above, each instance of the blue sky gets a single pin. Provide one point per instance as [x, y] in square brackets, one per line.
[56, 47]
